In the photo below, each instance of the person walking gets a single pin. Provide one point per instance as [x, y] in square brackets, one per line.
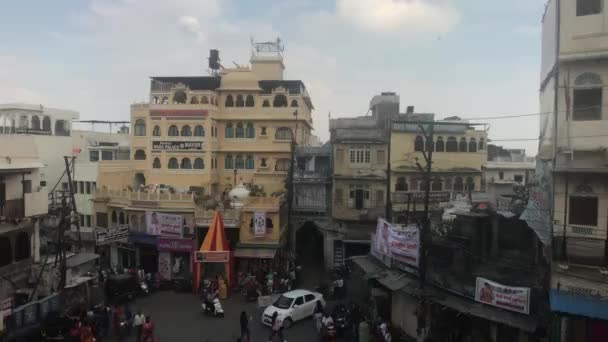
[318, 314]
[86, 332]
[244, 321]
[147, 334]
[138, 322]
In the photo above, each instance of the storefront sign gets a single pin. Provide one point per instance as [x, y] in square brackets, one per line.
[175, 245]
[259, 223]
[405, 244]
[164, 265]
[116, 234]
[177, 145]
[166, 225]
[510, 298]
[385, 259]
[212, 256]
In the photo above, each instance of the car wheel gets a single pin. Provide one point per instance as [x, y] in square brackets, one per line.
[287, 323]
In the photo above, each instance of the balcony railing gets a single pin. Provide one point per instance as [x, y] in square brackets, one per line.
[12, 209]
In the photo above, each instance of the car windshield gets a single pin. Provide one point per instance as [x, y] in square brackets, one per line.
[283, 302]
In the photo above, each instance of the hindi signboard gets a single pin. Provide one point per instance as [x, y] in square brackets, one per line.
[220, 256]
[166, 225]
[405, 244]
[259, 223]
[177, 146]
[175, 245]
[510, 298]
[115, 234]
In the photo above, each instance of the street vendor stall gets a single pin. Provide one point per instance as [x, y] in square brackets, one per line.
[213, 259]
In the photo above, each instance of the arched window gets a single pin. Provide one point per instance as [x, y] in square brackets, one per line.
[186, 131]
[186, 164]
[229, 101]
[249, 162]
[436, 185]
[229, 131]
[180, 97]
[240, 130]
[448, 183]
[6, 251]
[294, 103]
[165, 100]
[155, 100]
[35, 123]
[418, 144]
[173, 131]
[401, 184]
[156, 131]
[199, 164]
[46, 123]
[139, 155]
[249, 131]
[279, 101]
[173, 163]
[414, 183]
[451, 145]
[213, 101]
[472, 145]
[249, 101]
[282, 165]
[199, 131]
[462, 147]
[204, 99]
[156, 163]
[228, 163]
[469, 184]
[140, 128]
[239, 163]
[22, 246]
[481, 144]
[283, 133]
[24, 122]
[458, 184]
[114, 217]
[439, 145]
[266, 103]
[121, 218]
[194, 100]
[239, 101]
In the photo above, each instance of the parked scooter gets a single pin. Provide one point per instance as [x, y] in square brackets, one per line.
[213, 307]
[143, 287]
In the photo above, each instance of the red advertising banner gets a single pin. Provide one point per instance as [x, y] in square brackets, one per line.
[175, 245]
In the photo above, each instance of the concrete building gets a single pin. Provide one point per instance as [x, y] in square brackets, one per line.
[459, 150]
[23, 202]
[572, 152]
[193, 141]
[507, 172]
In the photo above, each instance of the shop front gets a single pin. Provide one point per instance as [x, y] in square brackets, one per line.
[145, 251]
[175, 258]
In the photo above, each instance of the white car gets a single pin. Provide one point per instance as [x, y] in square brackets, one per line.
[292, 306]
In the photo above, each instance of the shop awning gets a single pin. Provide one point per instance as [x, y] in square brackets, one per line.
[77, 281]
[255, 253]
[394, 280]
[526, 323]
[369, 267]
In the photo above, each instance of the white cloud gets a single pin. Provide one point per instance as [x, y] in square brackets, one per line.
[385, 16]
[191, 26]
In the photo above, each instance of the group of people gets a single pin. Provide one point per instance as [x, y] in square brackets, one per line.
[265, 277]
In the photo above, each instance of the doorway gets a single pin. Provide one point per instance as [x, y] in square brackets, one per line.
[139, 181]
[310, 252]
[359, 198]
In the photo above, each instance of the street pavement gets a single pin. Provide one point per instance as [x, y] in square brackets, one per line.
[179, 317]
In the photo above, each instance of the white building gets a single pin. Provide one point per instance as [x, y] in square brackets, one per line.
[91, 147]
[507, 172]
[23, 201]
[574, 143]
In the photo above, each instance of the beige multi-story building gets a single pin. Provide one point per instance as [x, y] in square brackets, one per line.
[572, 156]
[198, 137]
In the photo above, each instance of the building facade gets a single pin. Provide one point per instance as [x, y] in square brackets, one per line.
[191, 143]
[459, 151]
[572, 153]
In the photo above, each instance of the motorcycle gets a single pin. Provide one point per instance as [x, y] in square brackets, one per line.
[330, 334]
[342, 320]
[143, 288]
[213, 308]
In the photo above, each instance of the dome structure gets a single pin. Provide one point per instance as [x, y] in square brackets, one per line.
[238, 195]
[239, 79]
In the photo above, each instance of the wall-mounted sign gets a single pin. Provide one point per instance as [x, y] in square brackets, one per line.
[177, 145]
[167, 225]
[212, 257]
[175, 245]
[105, 236]
[510, 298]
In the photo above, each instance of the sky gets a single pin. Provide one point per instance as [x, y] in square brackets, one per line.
[467, 58]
